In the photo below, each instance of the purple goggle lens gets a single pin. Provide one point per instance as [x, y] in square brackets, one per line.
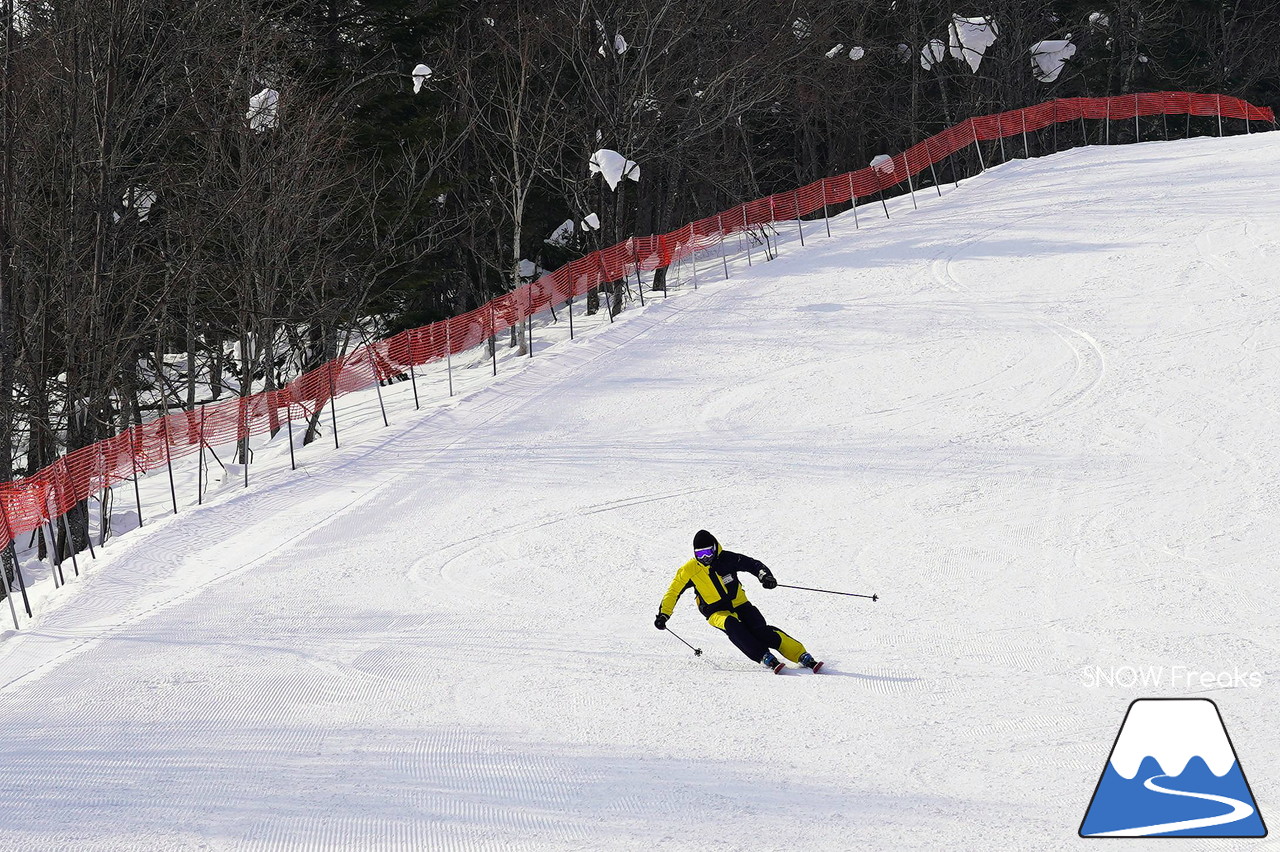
[704, 554]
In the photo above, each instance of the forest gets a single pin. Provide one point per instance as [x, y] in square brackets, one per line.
[204, 198]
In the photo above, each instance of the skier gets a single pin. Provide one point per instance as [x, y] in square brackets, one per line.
[713, 574]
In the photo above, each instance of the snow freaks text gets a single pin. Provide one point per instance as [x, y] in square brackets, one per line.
[1173, 677]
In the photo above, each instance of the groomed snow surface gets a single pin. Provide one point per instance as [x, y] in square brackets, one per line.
[1038, 416]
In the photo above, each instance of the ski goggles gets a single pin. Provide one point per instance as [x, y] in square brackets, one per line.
[704, 554]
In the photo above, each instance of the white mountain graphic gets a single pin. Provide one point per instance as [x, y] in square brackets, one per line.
[1135, 798]
[1173, 732]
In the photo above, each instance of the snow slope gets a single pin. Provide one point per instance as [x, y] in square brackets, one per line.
[1037, 416]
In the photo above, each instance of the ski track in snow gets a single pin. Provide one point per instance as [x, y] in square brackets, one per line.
[1036, 416]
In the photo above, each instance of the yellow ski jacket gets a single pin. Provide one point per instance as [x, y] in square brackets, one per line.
[716, 586]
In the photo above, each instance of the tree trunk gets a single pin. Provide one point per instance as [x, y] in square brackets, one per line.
[215, 370]
[192, 369]
[269, 361]
[8, 415]
[323, 342]
[246, 388]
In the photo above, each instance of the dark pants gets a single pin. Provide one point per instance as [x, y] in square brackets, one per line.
[751, 634]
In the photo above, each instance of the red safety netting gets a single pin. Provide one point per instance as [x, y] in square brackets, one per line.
[28, 503]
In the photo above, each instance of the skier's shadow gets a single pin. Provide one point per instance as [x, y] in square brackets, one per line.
[863, 676]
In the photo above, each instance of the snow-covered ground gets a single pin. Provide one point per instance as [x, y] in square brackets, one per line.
[1037, 416]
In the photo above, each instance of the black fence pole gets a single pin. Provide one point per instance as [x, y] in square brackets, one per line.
[55, 554]
[67, 524]
[378, 384]
[724, 257]
[104, 498]
[936, 184]
[200, 463]
[773, 217]
[795, 202]
[333, 404]
[493, 336]
[448, 355]
[22, 584]
[639, 281]
[244, 425]
[88, 539]
[911, 188]
[168, 459]
[982, 164]
[288, 420]
[71, 544]
[137, 494]
[17, 567]
[376, 360]
[8, 586]
[853, 201]
[8, 592]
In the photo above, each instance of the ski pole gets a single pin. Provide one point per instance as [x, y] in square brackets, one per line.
[829, 592]
[697, 652]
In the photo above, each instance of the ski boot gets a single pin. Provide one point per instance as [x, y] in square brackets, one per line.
[769, 661]
[807, 660]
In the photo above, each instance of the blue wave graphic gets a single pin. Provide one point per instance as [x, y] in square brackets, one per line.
[1122, 804]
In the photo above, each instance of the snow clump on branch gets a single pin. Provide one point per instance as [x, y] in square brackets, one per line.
[421, 74]
[932, 54]
[1049, 57]
[138, 200]
[560, 236]
[970, 38]
[619, 45]
[528, 269]
[613, 167]
[264, 112]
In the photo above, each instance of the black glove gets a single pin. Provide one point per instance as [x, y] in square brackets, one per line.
[661, 621]
[767, 580]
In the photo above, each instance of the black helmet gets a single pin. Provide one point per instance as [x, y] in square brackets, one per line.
[705, 547]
